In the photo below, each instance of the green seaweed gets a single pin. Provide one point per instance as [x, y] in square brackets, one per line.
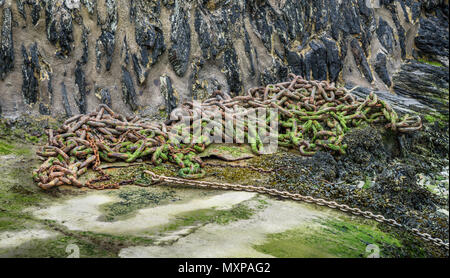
[433, 63]
[328, 238]
[7, 147]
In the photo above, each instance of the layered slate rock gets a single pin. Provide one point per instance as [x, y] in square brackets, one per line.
[433, 39]
[6, 45]
[35, 6]
[180, 37]
[385, 35]
[65, 100]
[169, 94]
[30, 71]
[401, 33]
[229, 45]
[59, 25]
[81, 88]
[148, 35]
[106, 42]
[360, 60]
[333, 59]
[90, 5]
[230, 69]
[219, 27]
[37, 77]
[424, 82]
[85, 44]
[129, 96]
[381, 69]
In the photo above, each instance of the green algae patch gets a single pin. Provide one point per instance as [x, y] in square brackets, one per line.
[89, 244]
[17, 188]
[433, 63]
[228, 152]
[434, 117]
[237, 174]
[59, 247]
[328, 238]
[206, 216]
[131, 200]
[12, 148]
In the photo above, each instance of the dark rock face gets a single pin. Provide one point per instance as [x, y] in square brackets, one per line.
[58, 19]
[80, 82]
[274, 73]
[85, 43]
[35, 11]
[334, 64]
[34, 5]
[361, 60]
[6, 45]
[385, 35]
[149, 37]
[128, 92]
[381, 70]
[168, 94]
[65, 100]
[229, 45]
[400, 30]
[230, 66]
[432, 39]
[107, 40]
[30, 71]
[181, 40]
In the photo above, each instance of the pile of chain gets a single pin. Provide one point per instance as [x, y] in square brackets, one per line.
[312, 115]
[85, 141]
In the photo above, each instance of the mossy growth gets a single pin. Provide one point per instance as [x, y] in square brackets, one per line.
[433, 63]
[329, 238]
[7, 147]
[434, 117]
[116, 242]
[204, 216]
[233, 150]
[58, 247]
[367, 183]
[131, 200]
[17, 189]
[32, 139]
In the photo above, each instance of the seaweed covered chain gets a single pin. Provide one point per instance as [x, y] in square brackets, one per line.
[312, 116]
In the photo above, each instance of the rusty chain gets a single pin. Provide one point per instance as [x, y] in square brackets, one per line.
[313, 116]
[296, 197]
